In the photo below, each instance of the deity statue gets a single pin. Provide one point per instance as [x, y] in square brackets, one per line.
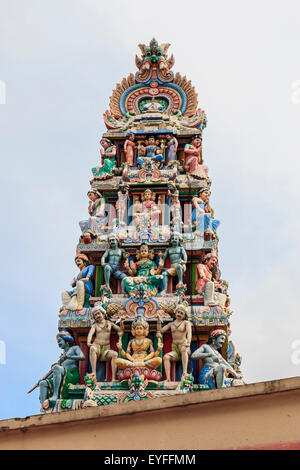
[91, 227]
[206, 285]
[202, 215]
[178, 258]
[193, 158]
[181, 330]
[108, 156]
[129, 147]
[152, 152]
[144, 273]
[175, 208]
[150, 210]
[75, 298]
[140, 351]
[121, 205]
[112, 267]
[100, 348]
[172, 149]
[63, 373]
[215, 369]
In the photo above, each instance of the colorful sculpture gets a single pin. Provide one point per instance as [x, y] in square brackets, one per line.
[215, 367]
[75, 298]
[100, 348]
[64, 372]
[206, 285]
[112, 266]
[91, 227]
[178, 258]
[202, 216]
[181, 330]
[129, 148]
[108, 156]
[152, 151]
[193, 159]
[140, 351]
[172, 149]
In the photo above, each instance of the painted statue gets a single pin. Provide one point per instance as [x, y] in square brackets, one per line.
[215, 369]
[150, 210]
[172, 149]
[144, 274]
[112, 266]
[100, 348]
[175, 209]
[129, 147]
[64, 372]
[202, 215]
[152, 152]
[108, 155]
[181, 330]
[193, 159]
[178, 258]
[140, 351]
[206, 285]
[91, 227]
[75, 298]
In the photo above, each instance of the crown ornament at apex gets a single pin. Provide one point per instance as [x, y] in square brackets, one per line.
[147, 314]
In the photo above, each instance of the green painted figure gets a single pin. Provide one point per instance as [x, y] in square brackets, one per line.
[112, 267]
[178, 258]
[64, 372]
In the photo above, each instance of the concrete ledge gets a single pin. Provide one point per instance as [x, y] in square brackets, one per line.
[195, 398]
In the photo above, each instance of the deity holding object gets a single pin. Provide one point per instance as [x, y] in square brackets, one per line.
[91, 227]
[129, 147]
[178, 258]
[108, 155]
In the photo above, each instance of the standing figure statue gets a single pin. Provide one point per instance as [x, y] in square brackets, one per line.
[129, 147]
[181, 330]
[108, 157]
[91, 227]
[64, 372]
[206, 283]
[172, 149]
[202, 215]
[75, 298]
[150, 210]
[215, 368]
[112, 267]
[178, 258]
[100, 348]
[175, 208]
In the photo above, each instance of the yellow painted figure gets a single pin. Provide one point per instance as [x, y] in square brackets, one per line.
[140, 351]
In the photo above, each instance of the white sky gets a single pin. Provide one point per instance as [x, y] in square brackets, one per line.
[60, 61]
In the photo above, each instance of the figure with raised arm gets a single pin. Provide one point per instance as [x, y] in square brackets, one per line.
[100, 348]
[181, 330]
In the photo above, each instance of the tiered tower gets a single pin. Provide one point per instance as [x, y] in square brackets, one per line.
[148, 314]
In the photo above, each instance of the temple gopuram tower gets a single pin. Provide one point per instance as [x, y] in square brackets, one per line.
[148, 313]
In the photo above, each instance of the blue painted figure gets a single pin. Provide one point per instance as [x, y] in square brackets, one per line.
[202, 213]
[75, 298]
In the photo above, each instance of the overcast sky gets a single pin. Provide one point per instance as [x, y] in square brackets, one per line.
[60, 60]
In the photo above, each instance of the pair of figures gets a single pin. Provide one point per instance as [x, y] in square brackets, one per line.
[140, 351]
[152, 151]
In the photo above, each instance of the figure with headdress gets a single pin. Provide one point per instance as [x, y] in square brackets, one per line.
[172, 148]
[129, 147]
[151, 152]
[91, 227]
[100, 348]
[64, 372]
[216, 372]
[150, 210]
[140, 351]
[181, 330]
[178, 259]
[75, 298]
[202, 215]
[112, 266]
[193, 158]
[208, 281]
[108, 156]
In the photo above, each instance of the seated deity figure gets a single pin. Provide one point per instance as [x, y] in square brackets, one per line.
[206, 285]
[91, 227]
[148, 152]
[181, 330]
[100, 349]
[112, 266]
[215, 369]
[193, 158]
[144, 273]
[75, 298]
[172, 149]
[63, 373]
[108, 156]
[202, 215]
[129, 147]
[140, 351]
[178, 258]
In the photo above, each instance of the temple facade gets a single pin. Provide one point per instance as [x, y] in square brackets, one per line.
[148, 313]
